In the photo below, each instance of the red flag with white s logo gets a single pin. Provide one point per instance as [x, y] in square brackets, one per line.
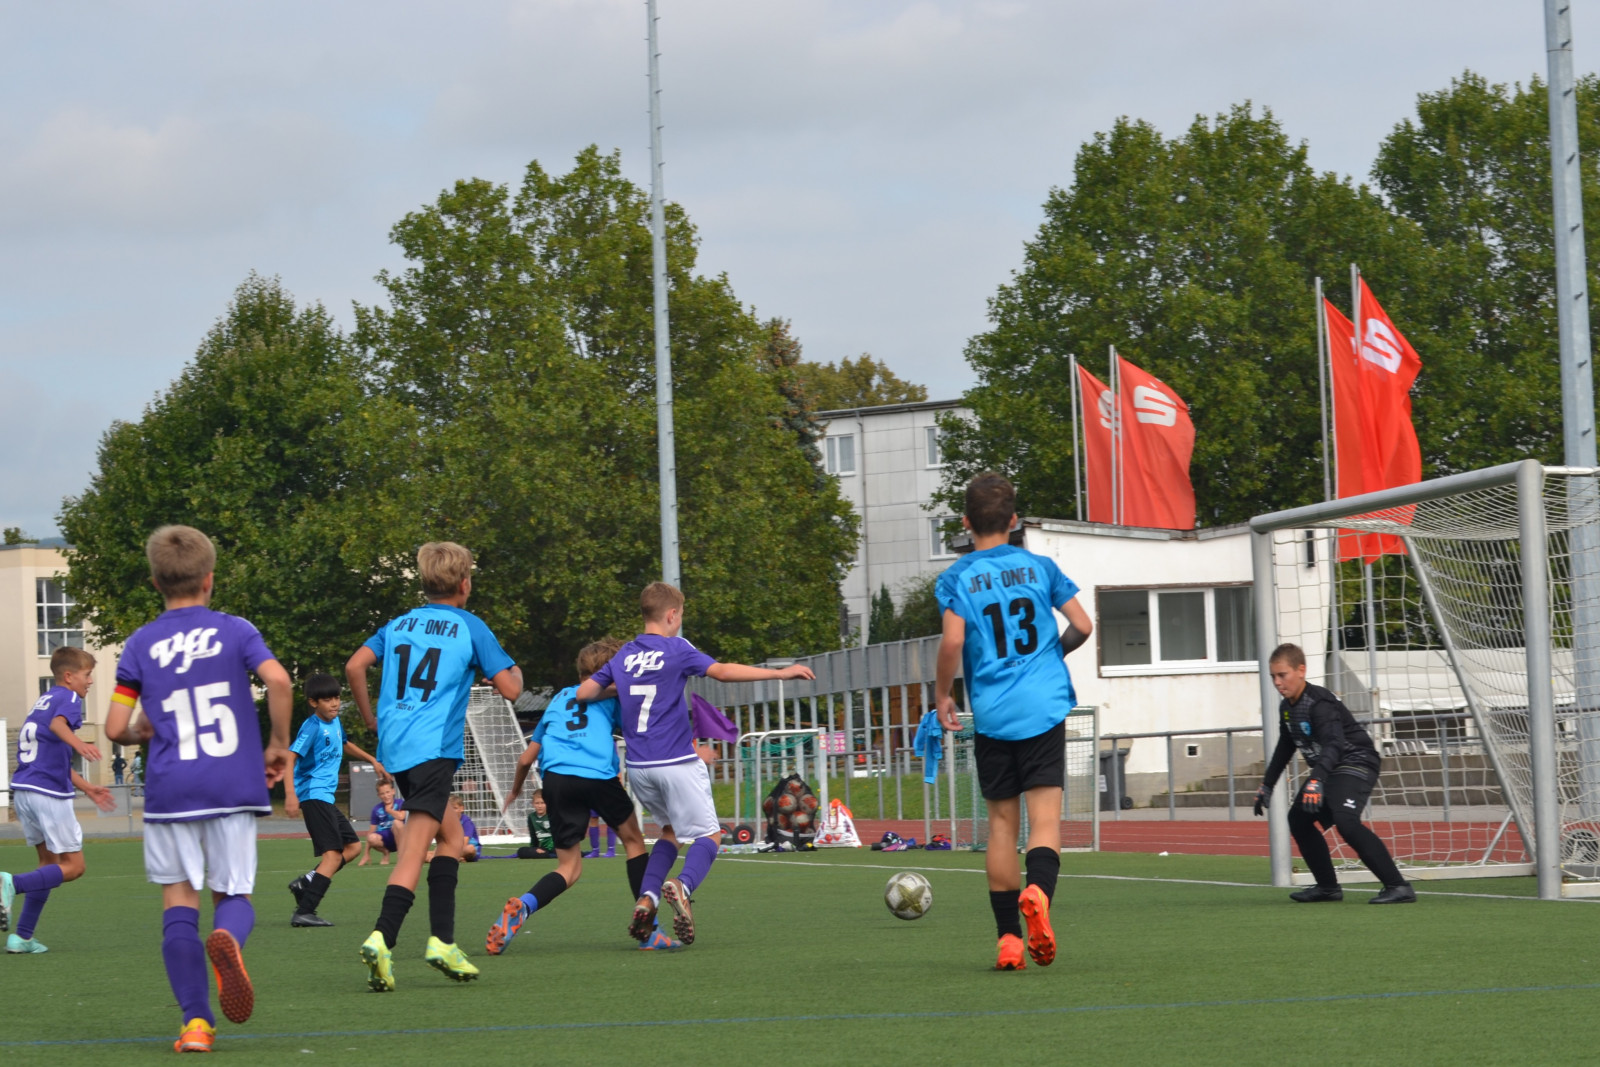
[1158, 442]
[1376, 441]
[1096, 415]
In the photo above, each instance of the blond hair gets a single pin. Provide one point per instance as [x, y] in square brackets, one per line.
[597, 654]
[180, 558]
[657, 599]
[69, 658]
[443, 565]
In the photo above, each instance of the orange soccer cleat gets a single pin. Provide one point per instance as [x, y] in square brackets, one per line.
[512, 916]
[1011, 957]
[234, 991]
[197, 1036]
[1035, 908]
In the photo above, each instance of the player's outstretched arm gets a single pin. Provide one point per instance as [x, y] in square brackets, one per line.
[355, 672]
[524, 765]
[98, 793]
[740, 672]
[280, 706]
[59, 727]
[588, 691]
[1078, 626]
[353, 749]
[508, 683]
[952, 639]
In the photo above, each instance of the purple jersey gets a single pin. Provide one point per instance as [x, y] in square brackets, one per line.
[190, 669]
[44, 761]
[649, 674]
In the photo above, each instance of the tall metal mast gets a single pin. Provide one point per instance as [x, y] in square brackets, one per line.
[666, 447]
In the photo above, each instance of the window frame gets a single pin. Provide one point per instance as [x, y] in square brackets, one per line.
[934, 454]
[831, 449]
[941, 550]
[71, 634]
[1158, 666]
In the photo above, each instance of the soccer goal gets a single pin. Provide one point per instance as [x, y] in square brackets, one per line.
[493, 742]
[1459, 619]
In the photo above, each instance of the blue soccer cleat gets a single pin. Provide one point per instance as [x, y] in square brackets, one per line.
[505, 928]
[17, 946]
[659, 942]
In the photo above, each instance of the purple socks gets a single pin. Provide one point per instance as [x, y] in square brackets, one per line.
[32, 905]
[235, 915]
[186, 962]
[594, 839]
[46, 877]
[662, 857]
[698, 862]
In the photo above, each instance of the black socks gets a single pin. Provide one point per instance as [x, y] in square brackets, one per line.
[548, 888]
[311, 896]
[1044, 867]
[636, 867]
[397, 900]
[1006, 918]
[442, 873]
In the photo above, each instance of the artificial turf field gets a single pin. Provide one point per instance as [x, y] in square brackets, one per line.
[798, 960]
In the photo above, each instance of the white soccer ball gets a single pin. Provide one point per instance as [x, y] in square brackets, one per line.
[908, 895]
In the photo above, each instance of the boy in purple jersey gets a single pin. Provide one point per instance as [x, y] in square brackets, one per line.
[385, 813]
[666, 773]
[42, 789]
[208, 775]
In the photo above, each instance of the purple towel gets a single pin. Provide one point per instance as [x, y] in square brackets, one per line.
[709, 722]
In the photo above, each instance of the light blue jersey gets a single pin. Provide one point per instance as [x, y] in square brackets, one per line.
[430, 657]
[578, 738]
[319, 751]
[1016, 674]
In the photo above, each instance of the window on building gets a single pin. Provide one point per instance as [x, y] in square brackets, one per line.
[939, 538]
[54, 605]
[46, 682]
[935, 457]
[1152, 631]
[841, 454]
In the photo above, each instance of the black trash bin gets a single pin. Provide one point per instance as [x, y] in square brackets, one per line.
[1117, 775]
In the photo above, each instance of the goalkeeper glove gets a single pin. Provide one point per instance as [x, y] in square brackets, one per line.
[1263, 794]
[1311, 797]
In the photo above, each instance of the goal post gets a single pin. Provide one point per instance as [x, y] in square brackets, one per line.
[1459, 619]
[493, 742]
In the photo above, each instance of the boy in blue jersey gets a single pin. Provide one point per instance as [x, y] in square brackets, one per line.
[998, 606]
[189, 671]
[576, 750]
[430, 657]
[42, 788]
[665, 770]
[314, 760]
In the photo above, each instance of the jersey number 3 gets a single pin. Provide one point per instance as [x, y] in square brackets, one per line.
[1027, 640]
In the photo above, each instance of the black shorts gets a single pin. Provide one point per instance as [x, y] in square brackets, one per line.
[568, 800]
[426, 787]
[330, 831]
[1008, 769]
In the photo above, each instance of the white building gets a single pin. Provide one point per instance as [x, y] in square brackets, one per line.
[888, 465]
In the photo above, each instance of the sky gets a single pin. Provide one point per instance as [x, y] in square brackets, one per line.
[868, 170]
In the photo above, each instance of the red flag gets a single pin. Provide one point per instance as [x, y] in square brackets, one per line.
[1157, 443]
[1096, 415]
[1376, 442]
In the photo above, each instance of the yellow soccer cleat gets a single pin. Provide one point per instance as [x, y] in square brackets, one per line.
[1035, 908]
[380, 963]
[197, 1036]
[450, 960]
[1011, 956]
[234, 991]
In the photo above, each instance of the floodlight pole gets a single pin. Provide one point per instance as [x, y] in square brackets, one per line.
[666, 448]
[1577, 393]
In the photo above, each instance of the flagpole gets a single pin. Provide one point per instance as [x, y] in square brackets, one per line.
[1368, 599]
[1116, 441]
[1322, 393]
[1077, 454]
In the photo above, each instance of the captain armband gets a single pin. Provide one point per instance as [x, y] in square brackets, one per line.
[126, 695]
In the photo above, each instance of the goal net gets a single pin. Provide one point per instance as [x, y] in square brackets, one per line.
[493, 742]
[1423, 609]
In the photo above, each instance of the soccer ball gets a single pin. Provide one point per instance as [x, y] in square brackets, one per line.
[908, 895]
[788, 802]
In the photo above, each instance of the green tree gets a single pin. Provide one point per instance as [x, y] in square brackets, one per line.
[862, 382]
[251, 444]
[1472, 171]
[916, 615]
[515, 364]
[14, 536]
[1196, 257]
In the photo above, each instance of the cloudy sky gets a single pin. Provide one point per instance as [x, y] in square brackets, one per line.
[868, 169]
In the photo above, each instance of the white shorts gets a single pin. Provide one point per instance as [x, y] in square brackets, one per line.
[217, 853]
[48, 820]
[678, 795]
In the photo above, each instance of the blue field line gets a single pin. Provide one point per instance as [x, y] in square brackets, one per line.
[841, 1017]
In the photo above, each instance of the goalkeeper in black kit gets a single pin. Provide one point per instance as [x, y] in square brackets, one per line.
[1344, 769]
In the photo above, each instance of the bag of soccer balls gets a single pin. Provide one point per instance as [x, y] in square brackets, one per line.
[791, 810]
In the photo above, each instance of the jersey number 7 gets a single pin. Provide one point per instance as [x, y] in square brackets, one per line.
[649, 694]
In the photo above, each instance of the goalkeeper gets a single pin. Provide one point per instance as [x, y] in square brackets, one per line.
[1344, 769]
